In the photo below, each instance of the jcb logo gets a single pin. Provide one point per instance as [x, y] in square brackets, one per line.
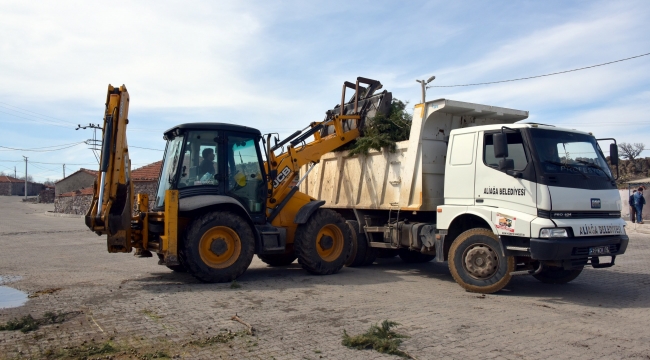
[281, 176]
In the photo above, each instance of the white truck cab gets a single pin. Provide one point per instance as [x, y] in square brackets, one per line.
[477, 188]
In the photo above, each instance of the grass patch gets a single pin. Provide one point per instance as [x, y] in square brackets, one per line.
[28, 323]
[381, 339]
[82, 352]
[151, 315]
[235, 285]
[221, 338]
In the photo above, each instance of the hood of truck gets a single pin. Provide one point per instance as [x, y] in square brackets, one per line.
[571, 199]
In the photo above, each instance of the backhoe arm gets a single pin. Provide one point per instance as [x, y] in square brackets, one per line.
[112, 203]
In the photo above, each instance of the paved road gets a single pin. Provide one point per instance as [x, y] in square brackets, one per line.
[141, 306]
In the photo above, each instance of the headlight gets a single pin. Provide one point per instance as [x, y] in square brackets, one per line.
[553, 233]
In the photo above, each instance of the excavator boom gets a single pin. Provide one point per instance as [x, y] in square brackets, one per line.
[112, 203]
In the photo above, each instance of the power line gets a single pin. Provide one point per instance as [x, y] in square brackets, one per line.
[137, 147]
[44, 147]
[539, 76]
[32, 150]
[33, 112]
[39, 121]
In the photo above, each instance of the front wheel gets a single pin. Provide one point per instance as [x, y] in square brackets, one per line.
[556, 275]
[219, 247]
[476, 262]
[324, 243]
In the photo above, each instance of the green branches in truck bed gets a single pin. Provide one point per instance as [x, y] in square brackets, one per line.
[384, 130]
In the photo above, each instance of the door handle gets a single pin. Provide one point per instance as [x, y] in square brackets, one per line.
[479, 200]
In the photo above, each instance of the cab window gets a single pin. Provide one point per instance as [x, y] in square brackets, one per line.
[516, 151]
[200, 164]
[245, 180]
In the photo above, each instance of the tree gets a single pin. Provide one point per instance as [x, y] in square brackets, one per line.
[630, 151]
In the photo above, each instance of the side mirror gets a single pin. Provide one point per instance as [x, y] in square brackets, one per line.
[500, 143]
[506, 164]
[613, 154]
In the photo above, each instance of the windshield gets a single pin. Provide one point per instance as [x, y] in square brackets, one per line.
[172, 155]
[563, 152]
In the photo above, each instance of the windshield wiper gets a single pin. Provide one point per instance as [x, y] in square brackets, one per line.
[567, 165]
[595, 166]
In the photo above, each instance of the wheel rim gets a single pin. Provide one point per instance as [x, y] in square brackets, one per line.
[480, 261]
[329, 242]
[220, 247]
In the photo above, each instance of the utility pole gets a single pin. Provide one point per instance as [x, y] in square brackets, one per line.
[424, 87]
[15, 172]
[25, 177]
[64, 171]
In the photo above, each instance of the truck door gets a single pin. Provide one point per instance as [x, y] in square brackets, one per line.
[510, 195]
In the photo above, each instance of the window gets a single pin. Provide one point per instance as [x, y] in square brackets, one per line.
[462, 151]
[200, 161]
[516, 151]
[245, 180]
[172, 156]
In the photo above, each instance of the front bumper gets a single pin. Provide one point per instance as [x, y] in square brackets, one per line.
[575, 248]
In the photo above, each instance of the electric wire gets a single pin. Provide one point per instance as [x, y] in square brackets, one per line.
[539, 76]
[33, 112]
[32, 150]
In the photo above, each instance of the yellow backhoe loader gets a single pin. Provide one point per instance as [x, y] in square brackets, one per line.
[225, 194]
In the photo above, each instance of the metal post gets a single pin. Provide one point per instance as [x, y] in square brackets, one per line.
[64, 171]
[25, 177]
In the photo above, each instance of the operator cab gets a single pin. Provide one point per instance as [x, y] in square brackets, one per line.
[214, 159]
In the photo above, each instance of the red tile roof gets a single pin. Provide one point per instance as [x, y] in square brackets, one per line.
[86, 191]
[9, 179]
[87, 171]
[147, 173]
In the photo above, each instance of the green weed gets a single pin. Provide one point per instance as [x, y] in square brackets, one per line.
[381, 339]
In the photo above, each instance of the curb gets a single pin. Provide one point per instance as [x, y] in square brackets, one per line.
[53, 214]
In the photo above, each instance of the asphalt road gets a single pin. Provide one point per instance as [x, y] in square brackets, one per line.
[142, 309]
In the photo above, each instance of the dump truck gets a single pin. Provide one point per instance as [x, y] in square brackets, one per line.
[226, 192]
[475, 187]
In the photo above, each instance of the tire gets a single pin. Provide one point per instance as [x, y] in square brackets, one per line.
[219, 247]
[362, 254]
[414, 257]
[278, 260]
[324, 243]
[556, 275]
[490, 270]
[386, 253]
[175, 268]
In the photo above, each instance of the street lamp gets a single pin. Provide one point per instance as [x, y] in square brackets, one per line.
[424, 86]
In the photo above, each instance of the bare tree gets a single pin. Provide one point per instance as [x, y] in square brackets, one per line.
[630, 151]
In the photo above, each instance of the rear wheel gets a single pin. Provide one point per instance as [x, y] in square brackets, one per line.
[324, 243]
[362, 254]
[556, 275]
[219, 247]
[476, 262]
[414, 257]
[278, 259]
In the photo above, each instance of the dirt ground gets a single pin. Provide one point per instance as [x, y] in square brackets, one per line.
[119, 306]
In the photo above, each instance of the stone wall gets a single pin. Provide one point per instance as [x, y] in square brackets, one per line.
[5, 189]
[46, 196]
[76, 204]
[146, 187]
[18, 188]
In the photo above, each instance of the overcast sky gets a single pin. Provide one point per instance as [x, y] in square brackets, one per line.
[278, 67]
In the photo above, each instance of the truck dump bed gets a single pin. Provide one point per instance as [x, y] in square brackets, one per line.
[410, 179]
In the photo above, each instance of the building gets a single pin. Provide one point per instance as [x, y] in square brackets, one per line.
[77, 201]
[81, 179]
[145, 181]
[12, 186]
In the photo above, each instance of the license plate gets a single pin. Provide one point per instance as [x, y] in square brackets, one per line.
[599, 250]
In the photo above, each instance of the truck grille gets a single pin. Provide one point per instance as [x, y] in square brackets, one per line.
[559, 214]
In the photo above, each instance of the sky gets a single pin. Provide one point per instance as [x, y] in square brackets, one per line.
[277, 66]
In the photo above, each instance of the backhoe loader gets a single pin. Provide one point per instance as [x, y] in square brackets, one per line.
[225, 192]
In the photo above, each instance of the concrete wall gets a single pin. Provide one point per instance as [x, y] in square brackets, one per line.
[80, 180]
